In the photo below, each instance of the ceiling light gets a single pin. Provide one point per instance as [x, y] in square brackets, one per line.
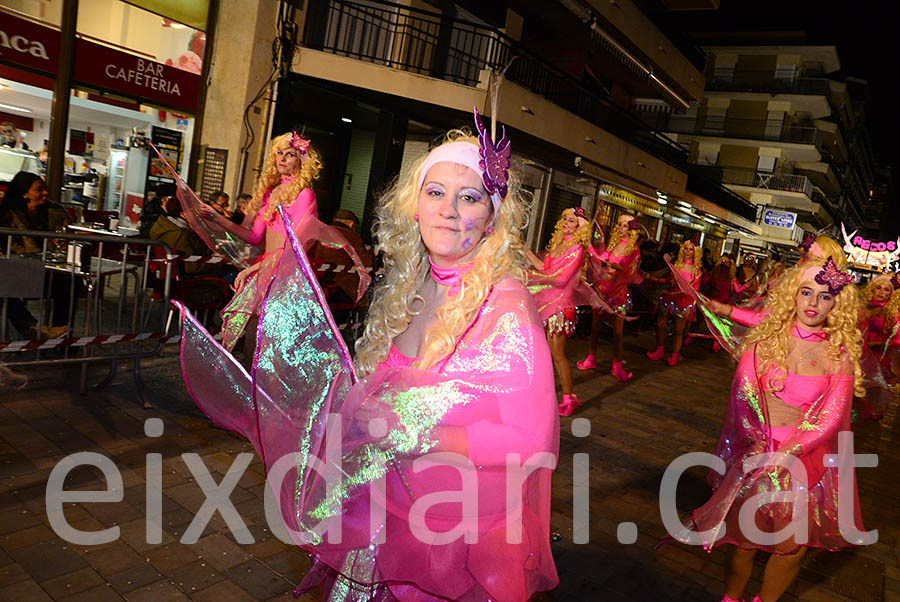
[12, 108]
[712, 221]
[346, 120]
[662, 201]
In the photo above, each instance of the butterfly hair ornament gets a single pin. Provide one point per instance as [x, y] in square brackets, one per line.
[299, 143]
[579, 212]
[494, 159]
[832, 277]
[807, 243]
[895, 280]
[633, 224]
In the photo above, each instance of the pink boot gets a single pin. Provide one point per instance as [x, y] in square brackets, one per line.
[657, 354]
[588, 363]
[725, 598]
[757, 599]
[672, 360]
[619, 372]
[569, 405]
[688, 338]
[716, 347]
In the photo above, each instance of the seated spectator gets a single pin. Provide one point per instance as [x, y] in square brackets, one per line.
[172, 229]
[345, 283]
[26, 206]
[242, 215]
[220, 201]
[26, 324]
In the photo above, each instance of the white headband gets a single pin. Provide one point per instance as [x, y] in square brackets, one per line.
[462, 153]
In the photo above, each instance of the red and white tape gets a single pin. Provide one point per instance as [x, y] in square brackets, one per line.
[64, 342]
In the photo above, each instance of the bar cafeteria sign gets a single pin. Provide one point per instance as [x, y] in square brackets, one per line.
[37, 47]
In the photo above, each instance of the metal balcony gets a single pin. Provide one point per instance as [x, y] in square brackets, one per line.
[772, 181]
[727, 80]
[753, 129]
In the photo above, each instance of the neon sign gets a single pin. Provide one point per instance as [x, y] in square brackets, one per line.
[870, 252]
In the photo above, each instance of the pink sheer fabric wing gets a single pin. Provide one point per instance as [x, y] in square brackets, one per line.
[612, 275]
[558, 287]
[746, 432]
[498, 388]
[307, 229]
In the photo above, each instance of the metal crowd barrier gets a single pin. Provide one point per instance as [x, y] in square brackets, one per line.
[108, 281]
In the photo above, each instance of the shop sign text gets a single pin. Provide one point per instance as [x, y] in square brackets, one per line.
[871, 252]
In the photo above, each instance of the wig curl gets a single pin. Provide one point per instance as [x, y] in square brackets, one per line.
[632, 236]
[269, 178]
[892, 309]
[830, 248]
[772, 335]
[498, 254]
[682, 257]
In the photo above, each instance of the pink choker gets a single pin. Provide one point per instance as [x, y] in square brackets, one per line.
[808, 335]
[451, 277]
[287, 179]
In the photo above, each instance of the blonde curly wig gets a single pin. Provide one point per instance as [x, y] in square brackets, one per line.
[892, 308]
[559, 245]
[773, 333]
[868, 292]
[615, 239]
[682, 257]
[830, 248]
[269, 178]
[406, 267]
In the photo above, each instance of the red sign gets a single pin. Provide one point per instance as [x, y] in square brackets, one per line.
[28, 44]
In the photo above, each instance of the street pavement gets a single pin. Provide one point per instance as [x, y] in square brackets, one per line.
[636, 429]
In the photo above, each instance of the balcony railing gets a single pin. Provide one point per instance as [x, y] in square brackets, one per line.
[761, 179]
[432, 44]
[756, 129]
[770, 81]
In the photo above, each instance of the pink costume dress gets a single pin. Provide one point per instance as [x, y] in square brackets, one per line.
[612, 284]
[302, 402]
[558, 289]
[826, 402]
[308, 229]
[675, 302]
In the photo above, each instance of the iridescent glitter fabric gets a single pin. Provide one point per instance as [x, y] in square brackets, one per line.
[747, 432]
[307, 229]
[611, 275]
[495, 394]
[558, 288]
[674, 301]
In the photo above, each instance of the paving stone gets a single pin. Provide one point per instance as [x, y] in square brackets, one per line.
[135, 577]
[73, 583]
[114, 559]
[258, 580]
[101, 593]
[24, 590]
[161, 591]
[224, 591]
[220, 551]
[195, 576]
[49, 559]
[171, 556]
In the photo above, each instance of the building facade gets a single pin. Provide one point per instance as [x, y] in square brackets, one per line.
[777, 128]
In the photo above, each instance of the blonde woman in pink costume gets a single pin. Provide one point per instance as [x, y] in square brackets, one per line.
[792, 393]
[452, 380]
[557, 284]
[290, 168]
[614, 270]
[677, 305]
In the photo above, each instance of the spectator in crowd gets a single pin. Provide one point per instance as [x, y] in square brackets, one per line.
[26, 206]
[171, 228]
[220, 201]
[708, 263]
[242, 214]
[343, 283]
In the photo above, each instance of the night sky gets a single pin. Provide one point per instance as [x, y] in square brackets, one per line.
[866, 36]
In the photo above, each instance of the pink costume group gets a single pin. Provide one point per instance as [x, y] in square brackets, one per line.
[558, 289]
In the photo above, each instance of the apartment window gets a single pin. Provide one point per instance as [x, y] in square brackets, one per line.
[785, 72]
[715, 120]
[766, 164]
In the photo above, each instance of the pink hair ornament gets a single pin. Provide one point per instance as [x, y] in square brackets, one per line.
[832, 277]
[299, 143]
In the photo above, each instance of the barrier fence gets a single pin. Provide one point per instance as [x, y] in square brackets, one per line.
[99, 286]
[112, 292]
